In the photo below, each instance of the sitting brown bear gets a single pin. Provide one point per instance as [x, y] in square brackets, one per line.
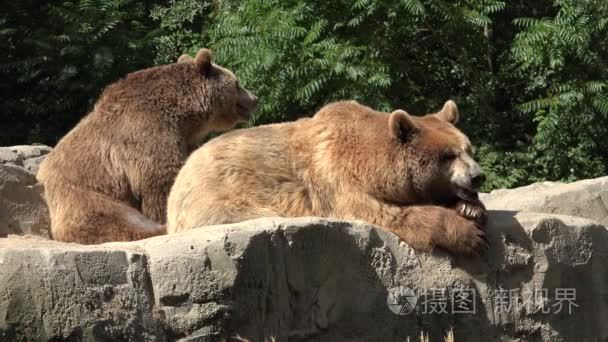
[404, 174]
[109, 178]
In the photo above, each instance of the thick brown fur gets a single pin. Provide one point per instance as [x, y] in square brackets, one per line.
[108, 179]
[413, 176]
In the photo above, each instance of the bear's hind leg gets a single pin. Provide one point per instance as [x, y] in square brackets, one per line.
[92, 218]
[207, 212]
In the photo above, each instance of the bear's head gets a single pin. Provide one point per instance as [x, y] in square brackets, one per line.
[434, 156]
[223, 98]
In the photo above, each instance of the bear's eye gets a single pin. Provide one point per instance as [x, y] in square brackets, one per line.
[449, 156]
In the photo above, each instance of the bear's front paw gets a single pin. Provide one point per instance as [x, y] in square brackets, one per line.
[464, 236]
[472, 211]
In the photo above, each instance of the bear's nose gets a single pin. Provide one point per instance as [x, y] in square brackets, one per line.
[477, 180]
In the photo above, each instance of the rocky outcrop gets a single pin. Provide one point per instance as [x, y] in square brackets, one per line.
[586, 198]
[25, 156]
[311, 279]
[22, 207]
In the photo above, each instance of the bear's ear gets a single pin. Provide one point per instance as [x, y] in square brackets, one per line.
[203, 61]
[449, 113]
[185, 58]
[401, 125]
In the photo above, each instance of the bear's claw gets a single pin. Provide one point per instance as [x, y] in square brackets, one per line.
[472, 211]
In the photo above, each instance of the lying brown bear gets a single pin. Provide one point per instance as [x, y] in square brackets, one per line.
[401, 173]
[108, 179]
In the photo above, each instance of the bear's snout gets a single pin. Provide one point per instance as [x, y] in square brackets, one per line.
[254, 102]
[477, 180]
[476, 176]
[247, 103]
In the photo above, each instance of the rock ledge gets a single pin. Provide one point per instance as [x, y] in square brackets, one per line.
[306, 278]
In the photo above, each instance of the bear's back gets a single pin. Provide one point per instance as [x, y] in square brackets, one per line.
[88, 157]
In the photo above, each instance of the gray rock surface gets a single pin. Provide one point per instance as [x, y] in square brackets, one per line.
[586, 198]
[306, 279]
[26, 156]
[22, 206]
[33, 164]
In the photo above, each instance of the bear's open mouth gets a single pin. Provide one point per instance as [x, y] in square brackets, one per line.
[467, 194]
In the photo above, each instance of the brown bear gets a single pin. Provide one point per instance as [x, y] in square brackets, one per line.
[413, 176]
[108, 179]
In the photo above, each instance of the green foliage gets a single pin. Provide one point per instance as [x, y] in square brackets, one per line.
[182, 24]
[530, 77]
[299, 55]
[58, 56]
[293, 62]
[561, 61]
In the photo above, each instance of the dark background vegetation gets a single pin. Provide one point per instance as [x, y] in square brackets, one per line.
[530, 77]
